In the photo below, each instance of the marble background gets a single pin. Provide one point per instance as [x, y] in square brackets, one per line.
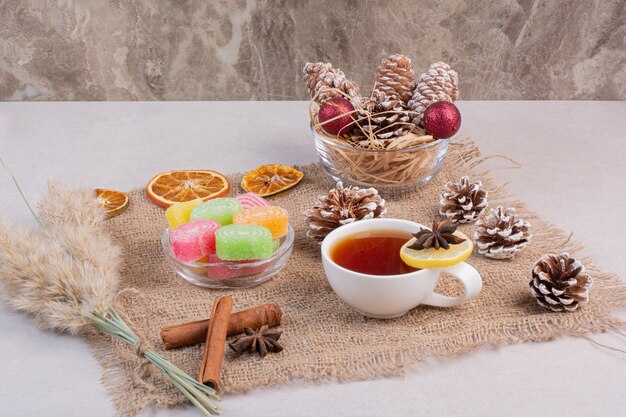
[254, 50]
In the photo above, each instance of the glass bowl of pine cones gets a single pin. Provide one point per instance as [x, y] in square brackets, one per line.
[402, 163]
[379, 140]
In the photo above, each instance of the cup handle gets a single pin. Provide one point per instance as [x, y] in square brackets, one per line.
[472, 284]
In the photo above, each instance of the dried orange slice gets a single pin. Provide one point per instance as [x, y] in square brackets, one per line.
[173, 187]
[114, 202]
[268, 180]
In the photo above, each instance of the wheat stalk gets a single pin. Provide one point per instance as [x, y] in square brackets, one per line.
[66, 276]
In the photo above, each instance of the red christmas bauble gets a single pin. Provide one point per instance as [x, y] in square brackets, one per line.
[334, 109]
[442, 119]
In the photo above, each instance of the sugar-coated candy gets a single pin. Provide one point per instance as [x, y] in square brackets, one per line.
[218, 270]
[274, 218]
[221, 210]
[194, 239]
[275, 244]
[241, 242]
[179, 213]
[250, 200]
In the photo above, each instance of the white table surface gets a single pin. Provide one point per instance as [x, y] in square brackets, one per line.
[574, 166]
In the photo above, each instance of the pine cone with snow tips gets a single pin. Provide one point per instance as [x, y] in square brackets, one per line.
[322, 78]
[439, 83]
[559, 282]
[341, 206]
[463, 202]
[501, 235]
[383, 116]
[395, 77]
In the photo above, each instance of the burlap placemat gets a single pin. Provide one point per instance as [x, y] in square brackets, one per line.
[323, 337]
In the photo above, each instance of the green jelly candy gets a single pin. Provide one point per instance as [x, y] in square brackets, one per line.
[220, 210]
[241, 242]
[275, 245]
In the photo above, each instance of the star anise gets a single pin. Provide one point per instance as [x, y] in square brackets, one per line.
[441, 236]
[261, 341]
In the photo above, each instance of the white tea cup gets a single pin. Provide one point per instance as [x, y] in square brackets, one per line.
[390, 296]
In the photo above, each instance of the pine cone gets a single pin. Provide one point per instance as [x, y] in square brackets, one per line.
[439, 83]
[382, 115]
[341, 206]
[464, 202]
[319, 76]
[395, 77]
[559, 282]
[500, 235]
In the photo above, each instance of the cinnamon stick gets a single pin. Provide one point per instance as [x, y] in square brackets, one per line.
[195, 332]
[213, 356]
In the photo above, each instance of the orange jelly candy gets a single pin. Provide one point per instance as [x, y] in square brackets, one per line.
[274, 218]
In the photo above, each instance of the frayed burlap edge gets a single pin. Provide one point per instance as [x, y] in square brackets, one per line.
[608, 292]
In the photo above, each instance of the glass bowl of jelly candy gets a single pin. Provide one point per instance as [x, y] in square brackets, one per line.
[390, 168]
[213, 272]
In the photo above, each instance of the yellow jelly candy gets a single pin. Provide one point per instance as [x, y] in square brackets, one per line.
[178, 213]
[274, 218]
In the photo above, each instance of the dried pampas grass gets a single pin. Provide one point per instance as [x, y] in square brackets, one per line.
[40, 278]
[65, 271]
[66, 276]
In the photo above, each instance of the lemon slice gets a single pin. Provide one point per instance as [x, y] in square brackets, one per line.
[437, 258]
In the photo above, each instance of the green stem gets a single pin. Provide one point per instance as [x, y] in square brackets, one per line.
[106, 327]
[201, 391]
[186, 389]
[191, 398]
[19, 190]
[116, 332]
[113, 325]
[182, 374]
[199, 395]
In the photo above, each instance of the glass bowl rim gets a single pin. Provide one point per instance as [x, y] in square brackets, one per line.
[328, 141]
[284, 248]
